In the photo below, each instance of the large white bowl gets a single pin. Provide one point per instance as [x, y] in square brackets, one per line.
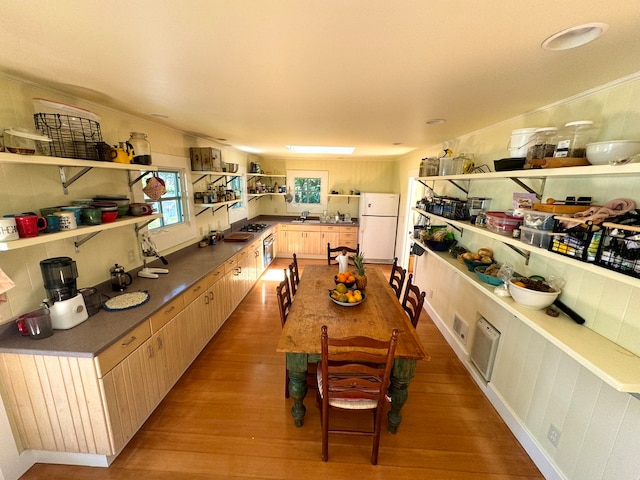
[612, 152]
[532, 299]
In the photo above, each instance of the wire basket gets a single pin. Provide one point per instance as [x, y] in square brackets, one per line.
[72, 137]
[620, 249]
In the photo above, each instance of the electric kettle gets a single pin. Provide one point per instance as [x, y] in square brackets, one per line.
[120, 279]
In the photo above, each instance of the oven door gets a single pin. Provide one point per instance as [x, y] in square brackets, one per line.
[267, 247]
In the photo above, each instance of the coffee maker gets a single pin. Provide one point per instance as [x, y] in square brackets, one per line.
[66, 304]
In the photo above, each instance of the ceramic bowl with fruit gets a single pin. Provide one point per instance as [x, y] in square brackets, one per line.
[532, 293]
[347, 278]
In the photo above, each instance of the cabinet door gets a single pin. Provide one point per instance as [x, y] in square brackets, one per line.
[332, 237]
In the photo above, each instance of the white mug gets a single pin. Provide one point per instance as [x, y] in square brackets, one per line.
[8, 229]
[67, 220]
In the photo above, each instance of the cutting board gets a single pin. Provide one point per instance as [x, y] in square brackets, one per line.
[238, 237]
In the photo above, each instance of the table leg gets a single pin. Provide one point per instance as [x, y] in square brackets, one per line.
[297, 367]
[403, 371]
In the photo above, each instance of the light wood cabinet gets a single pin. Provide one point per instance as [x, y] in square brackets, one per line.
[94, 405]
[310, 241]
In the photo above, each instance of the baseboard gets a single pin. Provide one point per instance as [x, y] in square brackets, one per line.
[529, 443]
[80, 459]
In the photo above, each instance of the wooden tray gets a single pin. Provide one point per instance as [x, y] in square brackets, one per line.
[560, 208]
[557, 162]
[238, 237]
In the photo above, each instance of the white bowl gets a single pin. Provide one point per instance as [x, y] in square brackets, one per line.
[532, 299]
[613, 152]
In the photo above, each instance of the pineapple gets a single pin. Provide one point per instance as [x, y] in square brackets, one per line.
[361, 278]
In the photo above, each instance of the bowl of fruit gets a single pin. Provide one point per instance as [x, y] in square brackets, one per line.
[532, 293]
[346, 297]
[347, 278]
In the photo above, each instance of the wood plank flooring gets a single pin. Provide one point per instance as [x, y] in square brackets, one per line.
[227, 418]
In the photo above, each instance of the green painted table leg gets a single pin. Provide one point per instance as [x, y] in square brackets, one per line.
[297, 367]
[403, 371]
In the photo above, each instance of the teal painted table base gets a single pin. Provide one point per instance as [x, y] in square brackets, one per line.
[403, 371]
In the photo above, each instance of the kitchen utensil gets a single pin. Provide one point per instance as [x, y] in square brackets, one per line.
[532, 299]
[66, 314]
[35, 324]
[238, 237]
[141, 148]
[616, 152]
[59, 275]
[8, 229]
[30, 225]
[120, 279]
[126, 301]
[121, 155]
[92, 299]
[569, 312]
[25, 141]
[67, 220]
[138, 209]
[91, 216]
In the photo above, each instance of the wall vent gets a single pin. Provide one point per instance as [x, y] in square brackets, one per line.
[461, 328]
[484, 347]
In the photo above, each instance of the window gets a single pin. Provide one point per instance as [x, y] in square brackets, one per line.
[236, 185]
[171, 204]
[309, 190]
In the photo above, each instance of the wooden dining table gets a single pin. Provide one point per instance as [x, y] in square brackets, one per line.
[376, 317]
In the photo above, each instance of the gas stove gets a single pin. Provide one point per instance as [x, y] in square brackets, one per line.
[253, 227]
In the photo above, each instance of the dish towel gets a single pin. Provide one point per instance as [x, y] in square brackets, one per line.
[6, 284]
[616, 207]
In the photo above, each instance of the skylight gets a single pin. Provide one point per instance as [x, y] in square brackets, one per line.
[319, 149]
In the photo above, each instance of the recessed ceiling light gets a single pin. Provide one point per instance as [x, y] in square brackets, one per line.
[318, 149]
[248, 149]
[159, 115]
[575, 36]
[436, 121]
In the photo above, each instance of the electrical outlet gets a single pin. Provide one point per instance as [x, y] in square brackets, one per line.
[132, 256]
[554, 435]
[430, 294]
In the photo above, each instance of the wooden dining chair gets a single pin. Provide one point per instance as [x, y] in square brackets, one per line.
[283, 294]
[333, 252]
[294, 275]
[396, 280]
[413, 301]
[284, 305]
[354, 374]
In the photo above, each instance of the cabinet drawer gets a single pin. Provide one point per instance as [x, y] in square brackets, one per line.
[231, 264]
[353, 230]
[170, 310]
[126, 344]
[196, 290]
[348, 237]
[216, 275]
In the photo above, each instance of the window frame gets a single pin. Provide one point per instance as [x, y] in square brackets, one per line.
[317, 208]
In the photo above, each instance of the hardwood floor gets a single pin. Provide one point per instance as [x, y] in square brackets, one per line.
[227, 418]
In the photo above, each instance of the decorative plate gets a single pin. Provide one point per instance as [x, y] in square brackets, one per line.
[126, 301]
[346, 304]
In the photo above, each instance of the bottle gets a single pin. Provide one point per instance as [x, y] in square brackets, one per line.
[141, 148]
[573, 139]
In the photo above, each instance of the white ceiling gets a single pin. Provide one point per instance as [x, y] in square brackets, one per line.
[363, 73]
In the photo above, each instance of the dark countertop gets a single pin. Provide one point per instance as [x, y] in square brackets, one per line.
[186, 267]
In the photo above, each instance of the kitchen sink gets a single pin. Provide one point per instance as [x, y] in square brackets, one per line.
[305, 221]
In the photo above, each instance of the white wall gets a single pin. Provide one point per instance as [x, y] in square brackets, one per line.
[534, 384]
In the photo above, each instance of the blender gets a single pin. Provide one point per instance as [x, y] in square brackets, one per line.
[66, 304]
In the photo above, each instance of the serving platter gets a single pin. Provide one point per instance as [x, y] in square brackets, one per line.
[347, 304]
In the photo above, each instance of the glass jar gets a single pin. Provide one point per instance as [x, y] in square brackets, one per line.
[573, 139]
[141, 148]
[543, 145]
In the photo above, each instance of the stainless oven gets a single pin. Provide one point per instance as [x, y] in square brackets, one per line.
[267, 248]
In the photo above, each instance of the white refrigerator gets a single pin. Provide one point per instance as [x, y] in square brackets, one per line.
[378, 218]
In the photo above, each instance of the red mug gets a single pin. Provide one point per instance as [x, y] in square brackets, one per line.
[30, 225]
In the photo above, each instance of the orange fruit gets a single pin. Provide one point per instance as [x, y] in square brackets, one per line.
[351, 279]
[342, 277]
